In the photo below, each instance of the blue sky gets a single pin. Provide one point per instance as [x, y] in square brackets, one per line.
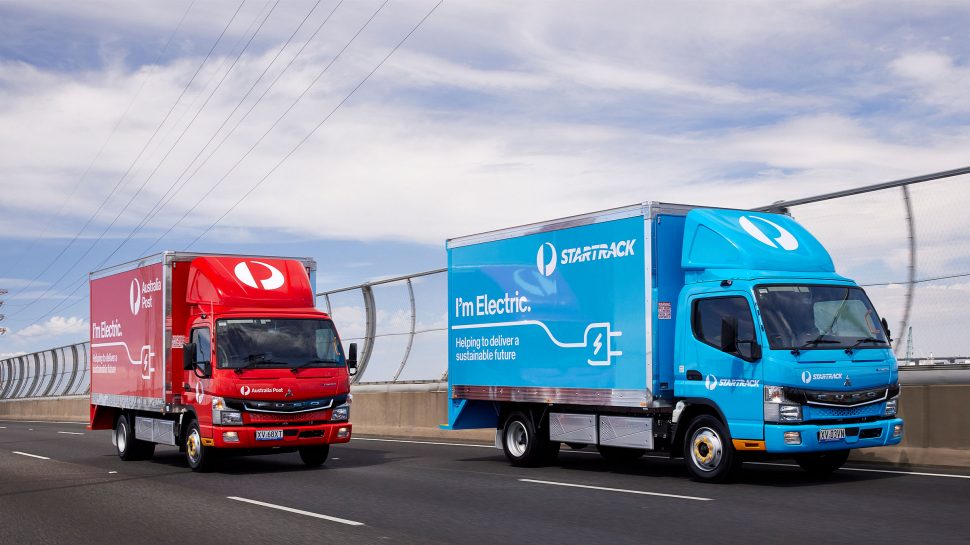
[491, 114]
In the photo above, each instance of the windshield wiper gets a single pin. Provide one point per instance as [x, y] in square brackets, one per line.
[816, 341]
[849, 349]
[308, 363]
[253, 360]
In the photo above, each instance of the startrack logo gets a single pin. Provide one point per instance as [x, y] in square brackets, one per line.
[712, 382]
[547, 256]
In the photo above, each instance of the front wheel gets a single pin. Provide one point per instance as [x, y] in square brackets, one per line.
[523, 444]
[708, 451]
[822, 463]
[314, 456]
[197, 455]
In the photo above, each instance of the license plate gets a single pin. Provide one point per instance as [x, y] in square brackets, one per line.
[276, 435]
[831, 435]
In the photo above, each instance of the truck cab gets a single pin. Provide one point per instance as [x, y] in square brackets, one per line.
[786, 356]
[227, 353]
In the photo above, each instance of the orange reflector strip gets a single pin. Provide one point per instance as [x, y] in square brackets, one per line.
[742, 444]
[208, 442]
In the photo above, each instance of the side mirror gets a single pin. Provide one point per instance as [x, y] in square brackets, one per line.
[188, 356]
[205, 367]
[352, 359]
[885, 327]
[749, 350]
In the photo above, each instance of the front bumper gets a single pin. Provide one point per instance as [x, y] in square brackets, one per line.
[293, 436]
[856, 436]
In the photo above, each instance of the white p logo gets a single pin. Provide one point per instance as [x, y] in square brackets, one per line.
[784, 239]
[710, 382]
[245, 390]
[134, 296]
[546, 259]
[806, 376]
[245, 276]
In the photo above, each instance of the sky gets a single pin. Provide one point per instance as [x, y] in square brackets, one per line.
[309, 128]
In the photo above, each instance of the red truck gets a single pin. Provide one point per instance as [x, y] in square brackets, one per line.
[217, 353]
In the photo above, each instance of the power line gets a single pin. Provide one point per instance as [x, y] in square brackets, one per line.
[83, 278]
[270, 129]
[97, 156]
[140, 153]
[161, 203]
[320, 124]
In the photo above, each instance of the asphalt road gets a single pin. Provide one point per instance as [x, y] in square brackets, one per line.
[387, 491]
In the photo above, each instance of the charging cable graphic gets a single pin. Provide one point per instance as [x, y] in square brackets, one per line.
[598, 336]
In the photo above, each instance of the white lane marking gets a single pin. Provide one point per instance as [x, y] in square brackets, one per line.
[70, 433]
[297, 511]
[112, 472]
[43, 422]
[890, 471]
[641, 492]
[31, 455]
[3, 427]
[422, 442]
[895, 472]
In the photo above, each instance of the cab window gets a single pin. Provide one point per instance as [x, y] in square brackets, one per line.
[710, 314]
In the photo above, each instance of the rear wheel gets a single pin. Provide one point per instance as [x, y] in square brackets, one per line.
[822, 463]
[620, 454]
[197, 455]
[314, 456]
[524, 444]
[130, 448]
[708, 451]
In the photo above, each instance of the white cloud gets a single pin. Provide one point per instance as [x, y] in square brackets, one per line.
[56, 325]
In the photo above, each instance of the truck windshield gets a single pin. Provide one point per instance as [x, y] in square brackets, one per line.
[277, 342]
[819, 317]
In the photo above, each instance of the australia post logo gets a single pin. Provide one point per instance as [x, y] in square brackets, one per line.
[244, 272]
[140, 294]
[548, 257]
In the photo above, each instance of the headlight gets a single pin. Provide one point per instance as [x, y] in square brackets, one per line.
[777, 407]
[340, 414]
[891, 406]
[221, 416]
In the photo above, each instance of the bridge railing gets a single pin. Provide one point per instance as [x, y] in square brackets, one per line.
[56, 372]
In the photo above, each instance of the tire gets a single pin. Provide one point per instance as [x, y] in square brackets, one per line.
[708, 451]
[620, 455]
[315, 456]
[199, 456]
[524, 445]
[822, 463]
[131, 449]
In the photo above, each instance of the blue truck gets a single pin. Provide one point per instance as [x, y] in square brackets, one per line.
[715, 335]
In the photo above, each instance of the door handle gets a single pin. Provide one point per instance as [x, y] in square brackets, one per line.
[694, 375]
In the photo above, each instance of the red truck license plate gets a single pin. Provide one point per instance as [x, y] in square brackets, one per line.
[276, 435]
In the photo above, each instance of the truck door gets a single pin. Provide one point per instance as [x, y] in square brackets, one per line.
[723, 370]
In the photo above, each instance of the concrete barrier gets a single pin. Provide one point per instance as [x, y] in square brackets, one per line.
[937, 422]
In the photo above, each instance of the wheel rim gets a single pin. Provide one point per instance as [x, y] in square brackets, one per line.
[193, 447]
[122, 437]
[707, 449]
[517, 438]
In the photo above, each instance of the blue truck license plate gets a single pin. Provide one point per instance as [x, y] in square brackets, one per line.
[831, 435]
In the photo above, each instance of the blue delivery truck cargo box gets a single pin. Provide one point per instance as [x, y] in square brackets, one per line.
[717, 335]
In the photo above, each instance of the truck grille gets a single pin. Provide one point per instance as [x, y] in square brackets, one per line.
[863, 411]
[273, 418]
